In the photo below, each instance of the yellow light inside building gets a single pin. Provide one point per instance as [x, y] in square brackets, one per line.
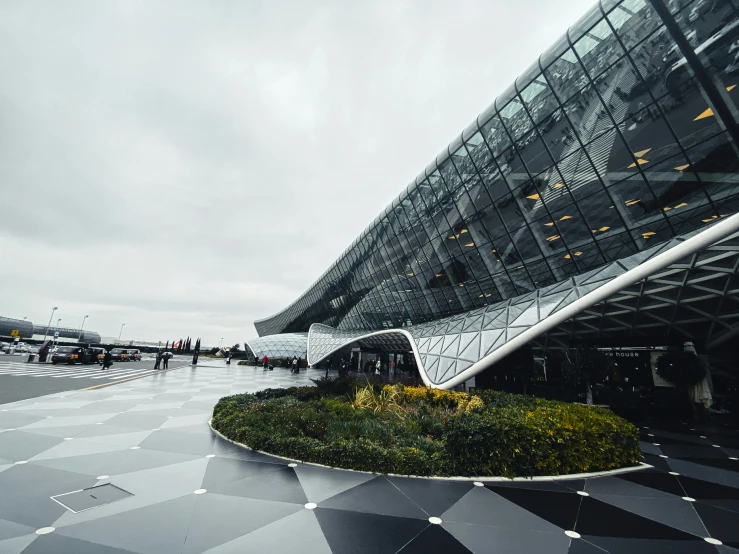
[553, 237]
[565, 217]
[410, 275]
[648, 234]
[602, 229]
[550, 224]
[533, 196]
[682, 167]
[681, 205]
[640, 162]
[470, 244]
[463, 231]
[557, 186]
[632, 202]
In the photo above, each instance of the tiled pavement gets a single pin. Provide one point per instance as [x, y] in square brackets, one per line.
[194, 492]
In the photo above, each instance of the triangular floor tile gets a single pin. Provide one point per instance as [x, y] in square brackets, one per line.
[652, 546]
[320, 483]
[504, 540]
[299, 532]
[158, 528]
[229, 470]
[434, 497]
[59, 543]
[218, 519]
[281, 486]
[349, 531]
[558, 508]
[597, 518]
[377, 496]
[483, 507]
[16, 545]
[90, 464]
[10, 529]
[674, 512]
[434, 539]
[185, 475]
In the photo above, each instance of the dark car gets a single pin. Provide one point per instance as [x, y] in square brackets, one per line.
[69, 355]
[96, 355]
[119, 355]
[134, 355]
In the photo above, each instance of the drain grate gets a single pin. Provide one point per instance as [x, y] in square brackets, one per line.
[86, 499]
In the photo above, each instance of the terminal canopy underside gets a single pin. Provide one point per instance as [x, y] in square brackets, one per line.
[687, 291]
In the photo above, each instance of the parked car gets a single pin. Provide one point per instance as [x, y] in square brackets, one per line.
[96, 355]
[69, 355]
[134, 355]
[119, 355]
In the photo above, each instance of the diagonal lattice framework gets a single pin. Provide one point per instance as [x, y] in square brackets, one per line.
[688, 286]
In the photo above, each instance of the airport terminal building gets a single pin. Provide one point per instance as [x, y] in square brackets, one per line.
[594, 200]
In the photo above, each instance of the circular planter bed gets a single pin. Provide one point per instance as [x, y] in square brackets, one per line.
[353, 424]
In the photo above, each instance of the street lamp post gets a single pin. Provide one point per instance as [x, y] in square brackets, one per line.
[81, 326]
[55, 308]
[119, 334]
[220, 343]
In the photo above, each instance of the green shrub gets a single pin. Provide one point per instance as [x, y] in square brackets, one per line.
[443, 434]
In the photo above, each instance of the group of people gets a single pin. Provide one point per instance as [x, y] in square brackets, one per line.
[293, 365]
[162, 360]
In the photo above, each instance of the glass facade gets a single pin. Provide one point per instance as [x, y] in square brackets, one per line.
[621, 137]
[287, 345]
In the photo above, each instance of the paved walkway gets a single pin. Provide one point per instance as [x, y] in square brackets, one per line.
[193, 492]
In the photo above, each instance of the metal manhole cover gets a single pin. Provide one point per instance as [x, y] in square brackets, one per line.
[86, 499]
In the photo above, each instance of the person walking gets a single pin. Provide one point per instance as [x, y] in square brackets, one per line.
[394, 367]
[158, 361]
[265, 363]
[107, 360]
[295, 364]
[378, 366]
[228, 358]
[165, 360]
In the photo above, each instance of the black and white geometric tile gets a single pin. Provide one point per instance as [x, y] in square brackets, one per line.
[194, 492]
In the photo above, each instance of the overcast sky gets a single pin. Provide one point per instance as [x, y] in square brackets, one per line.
[189, 166]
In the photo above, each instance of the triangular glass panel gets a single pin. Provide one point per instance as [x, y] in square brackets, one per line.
[605, 274]
[435, 345]
[432, 365]
[470, 350]
[549, 304]
[451, 343]
[446, 365]
[461, 366]
[473, 323]
[454, 327]
[524, 298]
[499, 322]
[569, 299]
[488, 340]
[423, 345]
[514, 332]
[559, 287]
[529, 317]
[585, 289]
[516, 310]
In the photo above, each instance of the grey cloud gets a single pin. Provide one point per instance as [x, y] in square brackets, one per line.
[192, 166]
